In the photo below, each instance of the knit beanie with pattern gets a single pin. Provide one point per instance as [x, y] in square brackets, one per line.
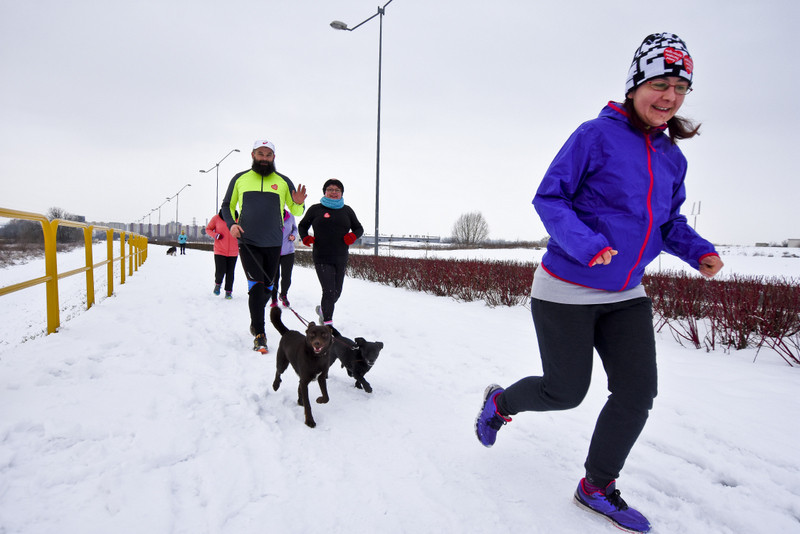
[660, 54]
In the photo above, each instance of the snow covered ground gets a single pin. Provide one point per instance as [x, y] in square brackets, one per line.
[150, 413]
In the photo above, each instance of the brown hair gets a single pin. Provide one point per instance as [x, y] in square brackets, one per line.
[679, 127]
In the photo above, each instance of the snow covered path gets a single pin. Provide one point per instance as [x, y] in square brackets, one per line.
[150, 413]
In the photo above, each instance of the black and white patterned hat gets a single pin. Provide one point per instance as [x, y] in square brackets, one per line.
[660, 54]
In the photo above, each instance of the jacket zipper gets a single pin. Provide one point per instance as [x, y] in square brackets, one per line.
[649, 149]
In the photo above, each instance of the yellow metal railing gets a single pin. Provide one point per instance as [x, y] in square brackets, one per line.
[135, 257]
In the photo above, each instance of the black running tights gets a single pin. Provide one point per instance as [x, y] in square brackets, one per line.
[622, 334]
[224, 268]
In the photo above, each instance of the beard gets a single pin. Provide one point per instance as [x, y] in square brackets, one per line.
[263, 168]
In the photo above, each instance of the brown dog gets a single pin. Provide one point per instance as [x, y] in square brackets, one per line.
[308, 355]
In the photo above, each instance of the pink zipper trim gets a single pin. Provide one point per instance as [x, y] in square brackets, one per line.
[649, 148]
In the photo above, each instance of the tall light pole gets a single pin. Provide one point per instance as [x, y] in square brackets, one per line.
[216, 209]
[339, 25]
[175, 196]
[159, 211]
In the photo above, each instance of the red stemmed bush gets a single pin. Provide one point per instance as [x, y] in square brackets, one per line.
[735, 313]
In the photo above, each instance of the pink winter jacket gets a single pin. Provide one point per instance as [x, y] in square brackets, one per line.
[227, 245]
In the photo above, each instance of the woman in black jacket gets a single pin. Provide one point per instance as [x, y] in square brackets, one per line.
[336, 227]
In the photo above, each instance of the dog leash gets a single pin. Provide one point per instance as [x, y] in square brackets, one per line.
[305, 323]
[267, 278]
[338, 339]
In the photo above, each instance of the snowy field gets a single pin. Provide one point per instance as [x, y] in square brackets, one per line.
[150, 413]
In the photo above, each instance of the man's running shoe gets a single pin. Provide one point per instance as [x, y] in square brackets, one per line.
[216, 289]
[260, 343]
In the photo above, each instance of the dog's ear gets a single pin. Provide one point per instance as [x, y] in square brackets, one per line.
[360, 341]
[380, 344]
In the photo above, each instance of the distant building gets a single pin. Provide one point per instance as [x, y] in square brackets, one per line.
[793, 243]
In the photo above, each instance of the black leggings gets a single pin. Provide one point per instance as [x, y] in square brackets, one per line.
[331, 278]
[284, 275]
[257, 262]
[622, 333]
[224, 268]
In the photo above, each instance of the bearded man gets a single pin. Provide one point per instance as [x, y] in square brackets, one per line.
[260, 195]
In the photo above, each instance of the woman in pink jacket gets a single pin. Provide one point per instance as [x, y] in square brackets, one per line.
[226, 250]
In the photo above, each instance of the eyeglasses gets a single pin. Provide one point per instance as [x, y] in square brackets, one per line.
[680, 88]
[333, 190]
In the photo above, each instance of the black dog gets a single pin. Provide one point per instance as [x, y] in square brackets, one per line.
[357, 357]
[308, 355]
[171, 251]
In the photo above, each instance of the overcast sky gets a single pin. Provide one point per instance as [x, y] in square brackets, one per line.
[110, 107]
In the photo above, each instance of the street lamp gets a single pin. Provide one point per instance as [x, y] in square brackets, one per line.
[339, 25]
[217, 167]
[175, 196]
[159, 211]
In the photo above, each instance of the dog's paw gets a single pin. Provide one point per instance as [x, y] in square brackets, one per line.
[311, 423]
[276, 385]
[323, 399]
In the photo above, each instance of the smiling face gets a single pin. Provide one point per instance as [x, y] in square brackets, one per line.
[657, 107]
[263, 155]
[333, 192]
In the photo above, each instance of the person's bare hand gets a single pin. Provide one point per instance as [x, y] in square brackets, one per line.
[710, 265]
[604, 258]
[237, 231]
[299, 196]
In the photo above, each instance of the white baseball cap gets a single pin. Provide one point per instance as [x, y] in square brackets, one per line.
[263, 143]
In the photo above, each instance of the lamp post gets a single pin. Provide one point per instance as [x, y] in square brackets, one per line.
[175, 196]
[150, 222]
[217, 167]
[339, 25]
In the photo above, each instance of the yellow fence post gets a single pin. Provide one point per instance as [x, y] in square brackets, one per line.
[87, 241]
[110, 258]
[131, 254]
[122, 257]
[51, 271]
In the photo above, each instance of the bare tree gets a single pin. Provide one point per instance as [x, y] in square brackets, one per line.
[65, 234]
[470, 229]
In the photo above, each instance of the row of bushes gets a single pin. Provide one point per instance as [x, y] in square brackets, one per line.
[735, 313]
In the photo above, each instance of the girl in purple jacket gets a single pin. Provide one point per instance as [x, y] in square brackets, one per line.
[286, 264]
[610, 202]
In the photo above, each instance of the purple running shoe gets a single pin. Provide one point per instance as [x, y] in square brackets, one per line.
[489, 420]
[608, 503]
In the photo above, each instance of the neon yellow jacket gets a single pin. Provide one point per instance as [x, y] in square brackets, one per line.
[260, 201]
